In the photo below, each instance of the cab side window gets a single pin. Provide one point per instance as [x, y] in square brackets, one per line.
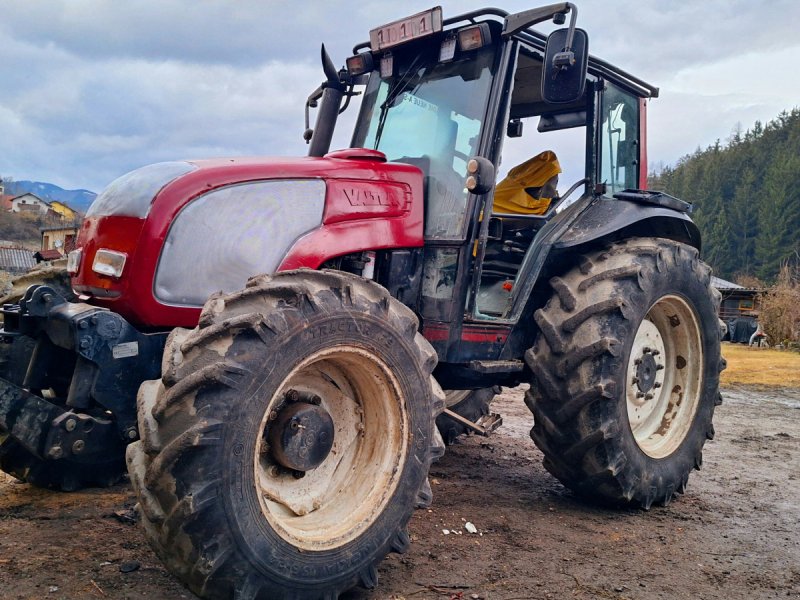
[619, 140]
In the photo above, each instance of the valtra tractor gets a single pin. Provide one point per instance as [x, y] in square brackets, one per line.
[269, 337]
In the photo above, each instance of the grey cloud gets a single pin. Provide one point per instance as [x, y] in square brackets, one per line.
[92, 88]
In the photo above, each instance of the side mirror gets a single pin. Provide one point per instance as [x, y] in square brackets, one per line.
[565, 64]
[480, 175]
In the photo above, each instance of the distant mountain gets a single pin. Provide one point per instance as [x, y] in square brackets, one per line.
[79, 200]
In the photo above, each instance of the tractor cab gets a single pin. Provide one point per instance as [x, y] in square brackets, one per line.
[466, 99]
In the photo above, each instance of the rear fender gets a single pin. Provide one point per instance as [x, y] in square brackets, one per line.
[589, 222]
[607, 219]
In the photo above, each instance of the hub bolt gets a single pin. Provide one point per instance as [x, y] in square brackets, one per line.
[274, 471]
[78, 446]
[70, 424]
[656, 352]
[132, 433]
[635, 380]
[659, 367]
[637, 362]
[648, 396]
[656, 385]
[640, 394]
[55, 452]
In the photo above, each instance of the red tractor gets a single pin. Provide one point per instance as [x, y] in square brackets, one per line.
[269, 337]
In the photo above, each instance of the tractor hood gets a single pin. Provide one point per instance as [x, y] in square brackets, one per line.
[176, 232]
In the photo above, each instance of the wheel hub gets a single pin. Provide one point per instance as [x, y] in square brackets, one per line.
[301, 434]
[646, 369]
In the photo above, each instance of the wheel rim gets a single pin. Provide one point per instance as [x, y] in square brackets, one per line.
[455, 397]
[341, 497]
[664, 376]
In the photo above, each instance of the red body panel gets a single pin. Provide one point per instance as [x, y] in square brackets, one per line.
[370, 204]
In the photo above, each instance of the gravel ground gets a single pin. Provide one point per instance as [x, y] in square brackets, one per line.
[734, 534]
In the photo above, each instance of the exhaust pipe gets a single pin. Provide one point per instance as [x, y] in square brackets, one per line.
[333, 91]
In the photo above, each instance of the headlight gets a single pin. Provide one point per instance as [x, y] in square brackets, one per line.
[109, 262]
[74, 261]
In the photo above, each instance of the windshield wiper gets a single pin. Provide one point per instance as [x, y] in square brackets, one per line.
[394, 92]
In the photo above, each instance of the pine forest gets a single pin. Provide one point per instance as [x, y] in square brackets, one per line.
[746, 196]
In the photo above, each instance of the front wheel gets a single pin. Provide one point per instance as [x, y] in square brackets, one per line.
[626, 372]
[289, 439]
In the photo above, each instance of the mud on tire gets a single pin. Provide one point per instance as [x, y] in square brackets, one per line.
[626, 372]
[222, 515]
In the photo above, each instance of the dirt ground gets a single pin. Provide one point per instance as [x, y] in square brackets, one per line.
[734, 534]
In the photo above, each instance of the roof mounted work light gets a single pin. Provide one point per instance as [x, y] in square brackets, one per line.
[360, 64]
[477, 36]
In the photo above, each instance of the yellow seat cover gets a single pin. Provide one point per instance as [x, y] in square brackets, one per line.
[510, 195]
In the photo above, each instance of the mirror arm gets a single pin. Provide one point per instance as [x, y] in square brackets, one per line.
[522, 20]
[573, 18]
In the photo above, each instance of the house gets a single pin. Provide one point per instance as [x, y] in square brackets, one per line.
[737, 300]
[59, 238]
[64, 211]
[16, 260]
[739, 309]
[29, 203]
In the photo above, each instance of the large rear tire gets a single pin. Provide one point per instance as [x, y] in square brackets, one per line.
[226, 505]
[626, 372]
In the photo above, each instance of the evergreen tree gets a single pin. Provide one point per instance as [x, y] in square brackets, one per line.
[746, 196]
[778, 215]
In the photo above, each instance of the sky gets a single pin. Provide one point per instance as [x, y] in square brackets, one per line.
[91, 89]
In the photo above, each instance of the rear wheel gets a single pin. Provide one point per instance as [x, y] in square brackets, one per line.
[470, 404]
[289, 440]
[626, 372]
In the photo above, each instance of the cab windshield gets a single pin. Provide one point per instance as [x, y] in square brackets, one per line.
[430, 114]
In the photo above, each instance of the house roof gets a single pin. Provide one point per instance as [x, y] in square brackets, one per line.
[30, 194]
[59, 228]
[728, 286]
[721, 284]
[53, 254]
[16, 259]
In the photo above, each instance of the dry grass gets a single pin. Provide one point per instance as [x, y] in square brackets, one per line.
[760, 367]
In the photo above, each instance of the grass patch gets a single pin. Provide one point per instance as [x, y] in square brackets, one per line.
[760, 366]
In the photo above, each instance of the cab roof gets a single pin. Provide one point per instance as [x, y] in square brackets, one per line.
[537, 40]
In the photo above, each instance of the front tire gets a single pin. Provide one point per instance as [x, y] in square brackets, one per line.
[229, 508]
[626, 372]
